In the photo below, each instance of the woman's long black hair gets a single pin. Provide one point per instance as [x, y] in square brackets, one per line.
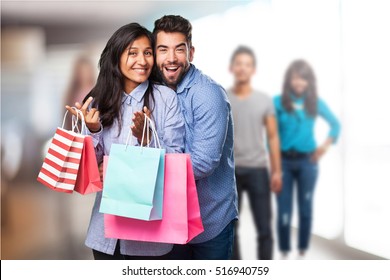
[109, 87]
[303, 69]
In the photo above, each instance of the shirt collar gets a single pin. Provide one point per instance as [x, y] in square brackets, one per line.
[296, 98]
[188, 79]
[137, 94]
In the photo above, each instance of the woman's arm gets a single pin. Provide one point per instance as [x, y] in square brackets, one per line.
[321, 150]
[334, 131]
[97, 140]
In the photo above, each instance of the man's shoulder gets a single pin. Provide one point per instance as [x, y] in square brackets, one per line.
[205, 82]
[206, 91]
[261, 95]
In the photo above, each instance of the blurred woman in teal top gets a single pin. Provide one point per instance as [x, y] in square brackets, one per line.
[297, 110]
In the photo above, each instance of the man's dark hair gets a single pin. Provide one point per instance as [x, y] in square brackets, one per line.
[243, 50]
[173, 23]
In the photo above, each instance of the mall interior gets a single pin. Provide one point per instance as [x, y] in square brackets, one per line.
[42, 42]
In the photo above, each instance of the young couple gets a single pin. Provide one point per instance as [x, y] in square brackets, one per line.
[289, 119]
[192, 115]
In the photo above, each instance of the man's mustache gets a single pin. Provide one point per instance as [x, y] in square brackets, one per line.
[173, 64]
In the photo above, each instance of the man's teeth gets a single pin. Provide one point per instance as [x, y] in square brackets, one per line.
[172, 68]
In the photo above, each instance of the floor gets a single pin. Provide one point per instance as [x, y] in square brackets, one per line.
[320, 248]
[38, 223]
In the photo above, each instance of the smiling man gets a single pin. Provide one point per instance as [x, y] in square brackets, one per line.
[209, 138]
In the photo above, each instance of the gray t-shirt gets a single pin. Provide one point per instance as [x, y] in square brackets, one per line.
[249, 128]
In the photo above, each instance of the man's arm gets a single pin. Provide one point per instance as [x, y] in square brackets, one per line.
[210, 125]
[274, 147]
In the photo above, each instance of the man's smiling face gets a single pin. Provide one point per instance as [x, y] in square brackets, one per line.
[173, 57]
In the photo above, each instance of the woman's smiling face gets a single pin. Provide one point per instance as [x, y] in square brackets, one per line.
[298, 84]
[136, 63]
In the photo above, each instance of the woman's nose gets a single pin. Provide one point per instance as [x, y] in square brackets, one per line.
[141, 59]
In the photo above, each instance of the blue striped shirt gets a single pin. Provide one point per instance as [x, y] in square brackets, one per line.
[170, 129]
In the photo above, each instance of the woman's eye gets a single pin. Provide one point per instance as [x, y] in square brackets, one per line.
[132, 53]
[148, 53]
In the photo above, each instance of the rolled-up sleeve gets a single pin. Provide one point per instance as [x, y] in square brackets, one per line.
[211, 117]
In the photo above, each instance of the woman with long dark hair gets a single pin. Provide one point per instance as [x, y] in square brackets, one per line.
[124, 91]
[297, 110]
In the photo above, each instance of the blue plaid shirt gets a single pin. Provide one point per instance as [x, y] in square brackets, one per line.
[209, 140]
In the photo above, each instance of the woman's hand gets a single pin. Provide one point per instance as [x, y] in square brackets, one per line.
[321, 150]
[138, 125]
[319, 153]
[91, 116]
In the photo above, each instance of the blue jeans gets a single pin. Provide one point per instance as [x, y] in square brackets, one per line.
[255, 181]
[303, 173]
[218, 248]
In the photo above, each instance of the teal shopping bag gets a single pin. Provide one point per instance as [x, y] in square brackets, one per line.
[134, 182]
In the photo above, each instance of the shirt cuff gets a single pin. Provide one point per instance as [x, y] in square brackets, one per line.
[95, 135]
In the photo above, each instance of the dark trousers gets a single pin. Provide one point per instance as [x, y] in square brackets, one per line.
[302, 173]
[255, 181]
[218, 248]
[97, 255]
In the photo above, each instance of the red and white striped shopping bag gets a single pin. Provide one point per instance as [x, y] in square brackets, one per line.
[61, 165]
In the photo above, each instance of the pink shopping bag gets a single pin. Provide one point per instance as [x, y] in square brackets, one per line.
[88, 178]
[181, 220]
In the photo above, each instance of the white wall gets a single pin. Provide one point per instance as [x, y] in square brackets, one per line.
[344, 42]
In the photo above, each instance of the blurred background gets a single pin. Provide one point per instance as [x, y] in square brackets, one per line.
[49, 55]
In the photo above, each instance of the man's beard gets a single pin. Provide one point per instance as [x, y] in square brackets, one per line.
[174, 80]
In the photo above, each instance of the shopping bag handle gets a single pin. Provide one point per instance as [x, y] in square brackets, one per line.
[83, 124]
[64, 119]
[148, 124]
[154, 131]
[75, 120]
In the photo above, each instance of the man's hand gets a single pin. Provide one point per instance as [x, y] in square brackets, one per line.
[276, 182]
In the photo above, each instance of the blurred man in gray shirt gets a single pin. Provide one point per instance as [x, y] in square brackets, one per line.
[255, 132]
